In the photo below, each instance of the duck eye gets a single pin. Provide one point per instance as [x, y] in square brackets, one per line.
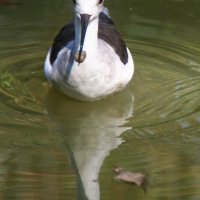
[100, 1]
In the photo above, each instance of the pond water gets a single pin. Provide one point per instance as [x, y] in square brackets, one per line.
[53, 147]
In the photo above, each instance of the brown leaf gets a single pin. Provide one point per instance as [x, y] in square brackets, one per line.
[128, 176]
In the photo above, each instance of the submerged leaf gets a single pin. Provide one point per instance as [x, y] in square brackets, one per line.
[128, 176]
[136, 178]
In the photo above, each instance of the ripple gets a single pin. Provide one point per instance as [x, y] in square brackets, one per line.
[164, 139]
[168, 52]
[22, 80]
[166, 83]
[28, 140]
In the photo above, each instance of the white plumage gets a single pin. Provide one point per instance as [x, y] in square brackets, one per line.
[108, 65]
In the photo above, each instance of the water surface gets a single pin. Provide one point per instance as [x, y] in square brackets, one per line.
[53, 147]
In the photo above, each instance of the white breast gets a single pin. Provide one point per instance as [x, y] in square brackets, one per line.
[100, 75]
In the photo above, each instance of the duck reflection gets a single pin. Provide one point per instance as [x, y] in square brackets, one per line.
[90, 131]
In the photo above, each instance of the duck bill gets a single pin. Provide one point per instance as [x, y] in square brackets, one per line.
[85, 18]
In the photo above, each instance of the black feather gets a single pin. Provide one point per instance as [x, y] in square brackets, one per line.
[106, 32]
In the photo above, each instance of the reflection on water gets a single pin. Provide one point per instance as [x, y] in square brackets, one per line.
[53, 147]
[96, 132]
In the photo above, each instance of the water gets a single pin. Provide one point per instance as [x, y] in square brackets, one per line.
[53, 147]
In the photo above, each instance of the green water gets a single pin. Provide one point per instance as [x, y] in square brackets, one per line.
[53, 147]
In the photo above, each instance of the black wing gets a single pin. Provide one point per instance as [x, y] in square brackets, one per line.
[66, 34]
[106, 32]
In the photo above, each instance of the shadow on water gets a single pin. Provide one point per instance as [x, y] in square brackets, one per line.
[90, 131]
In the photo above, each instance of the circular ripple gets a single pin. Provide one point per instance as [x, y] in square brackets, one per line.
[166, 85]
[22, 81]
[24, 140]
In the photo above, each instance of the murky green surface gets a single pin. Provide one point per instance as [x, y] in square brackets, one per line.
[52, 147]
